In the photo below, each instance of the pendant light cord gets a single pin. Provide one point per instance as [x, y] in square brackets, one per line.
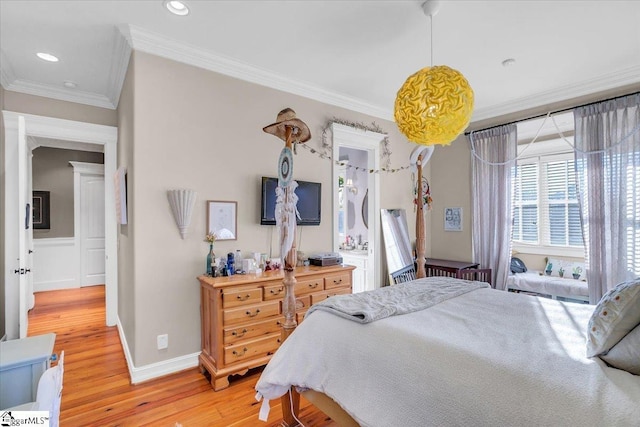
[431, 39]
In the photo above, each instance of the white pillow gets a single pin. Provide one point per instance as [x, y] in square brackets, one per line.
[617, 313]
[626, 354]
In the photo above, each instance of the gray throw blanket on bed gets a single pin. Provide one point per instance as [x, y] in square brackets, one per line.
[365, 307]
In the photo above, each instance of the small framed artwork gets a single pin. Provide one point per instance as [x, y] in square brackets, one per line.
[222, 219]
[452, 219]
[41, 210]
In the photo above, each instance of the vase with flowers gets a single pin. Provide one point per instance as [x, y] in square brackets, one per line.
[211, 256]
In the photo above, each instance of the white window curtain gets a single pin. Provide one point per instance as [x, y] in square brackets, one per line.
[607, 142]
[494, 152]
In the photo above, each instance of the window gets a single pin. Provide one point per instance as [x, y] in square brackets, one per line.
[632, 214]
[545, 205]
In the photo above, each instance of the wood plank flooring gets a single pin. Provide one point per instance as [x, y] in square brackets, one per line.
[97, 391]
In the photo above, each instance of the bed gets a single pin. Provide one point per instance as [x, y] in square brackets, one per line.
[482, 357]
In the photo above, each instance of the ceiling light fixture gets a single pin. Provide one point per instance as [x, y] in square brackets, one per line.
[176, 7]
[47, 57]
[508, 62]
[435, 104]
[70, 84]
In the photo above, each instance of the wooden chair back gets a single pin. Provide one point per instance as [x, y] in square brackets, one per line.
[478, 274]
[405, 274]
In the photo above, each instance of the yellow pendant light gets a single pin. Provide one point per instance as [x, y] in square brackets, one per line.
[434, 105]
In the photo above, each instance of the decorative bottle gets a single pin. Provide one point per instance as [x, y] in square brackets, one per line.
[211, 256]
[231, 268]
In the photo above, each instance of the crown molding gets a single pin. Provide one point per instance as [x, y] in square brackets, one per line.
[119, 64]
[130, 37]
[6, 71]
[627, 76]
[155, 44]
[62, 94]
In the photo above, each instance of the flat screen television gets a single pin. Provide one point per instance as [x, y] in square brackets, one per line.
[309, 202]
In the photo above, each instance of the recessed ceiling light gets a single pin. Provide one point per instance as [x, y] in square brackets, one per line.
[176, 7]
[508, 62]
[47, 57]
[70, 84]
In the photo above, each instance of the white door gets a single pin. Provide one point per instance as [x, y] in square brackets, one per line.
[92, 247]
[23, 225]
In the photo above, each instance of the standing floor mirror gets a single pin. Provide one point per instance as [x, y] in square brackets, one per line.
[397, 245]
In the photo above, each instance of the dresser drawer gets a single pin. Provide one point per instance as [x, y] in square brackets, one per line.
[274, 291]
[300, 315]
[302, 303]
[235, 334]
[237, 297]
[250, 312]
[321, 296]
[250, 349]
[309, 285]
[337, 280]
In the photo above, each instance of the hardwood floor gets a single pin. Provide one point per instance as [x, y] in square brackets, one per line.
[96, 384]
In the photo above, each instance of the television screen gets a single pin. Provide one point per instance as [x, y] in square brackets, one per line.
[309, 201]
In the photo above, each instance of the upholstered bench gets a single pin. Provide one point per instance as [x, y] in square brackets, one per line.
[536, 281]
[557, 281]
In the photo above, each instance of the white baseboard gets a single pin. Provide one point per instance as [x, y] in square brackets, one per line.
[54, 285]
[155, 370]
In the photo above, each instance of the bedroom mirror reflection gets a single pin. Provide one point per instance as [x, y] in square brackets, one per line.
[397, 243]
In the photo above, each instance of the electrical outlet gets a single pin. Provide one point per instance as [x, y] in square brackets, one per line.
[163, 341]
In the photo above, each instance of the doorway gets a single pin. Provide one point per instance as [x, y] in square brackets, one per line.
[356, 203]
[56, 133]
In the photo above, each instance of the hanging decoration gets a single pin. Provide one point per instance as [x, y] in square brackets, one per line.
[385, 155]
[292, 131]
[350, 166]
[434, 105]
[426, 199]
[286, 210]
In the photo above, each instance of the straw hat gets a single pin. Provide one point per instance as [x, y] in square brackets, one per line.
[287, 117]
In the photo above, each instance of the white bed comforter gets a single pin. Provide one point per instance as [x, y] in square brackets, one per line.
[484, 358]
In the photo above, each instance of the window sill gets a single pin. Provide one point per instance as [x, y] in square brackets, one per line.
[547, 250]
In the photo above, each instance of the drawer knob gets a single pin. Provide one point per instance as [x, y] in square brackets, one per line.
[239, 335]
[313, 285]
[243, 298]
[248, 313]
[276, 291]
[337, 281]
[238, 354]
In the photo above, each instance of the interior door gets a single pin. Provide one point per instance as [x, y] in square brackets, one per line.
[24, 225]
[92, 243]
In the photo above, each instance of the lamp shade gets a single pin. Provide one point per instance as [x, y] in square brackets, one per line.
[434, 105]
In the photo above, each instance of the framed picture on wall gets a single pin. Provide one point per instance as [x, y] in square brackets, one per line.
[222, 219]
[452, 219]
[41, 210]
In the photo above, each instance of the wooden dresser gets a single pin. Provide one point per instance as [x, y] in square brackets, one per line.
[242, 315]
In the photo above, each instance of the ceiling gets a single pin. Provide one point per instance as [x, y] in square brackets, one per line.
[354, 54]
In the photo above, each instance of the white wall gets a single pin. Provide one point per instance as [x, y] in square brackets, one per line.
[196, 129]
